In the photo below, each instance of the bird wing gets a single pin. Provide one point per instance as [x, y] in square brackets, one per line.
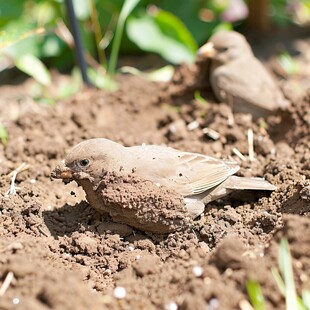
[187, 173]
[202, 172]
[247, 80]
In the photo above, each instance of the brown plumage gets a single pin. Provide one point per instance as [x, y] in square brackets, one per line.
[238, 78]
[199, 179]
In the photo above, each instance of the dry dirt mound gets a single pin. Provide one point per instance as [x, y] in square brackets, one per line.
[63, 254]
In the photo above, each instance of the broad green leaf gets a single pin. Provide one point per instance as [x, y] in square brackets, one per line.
[172, 26]
[147, 34]
[33, 66]
[16, 32]
[256, 295]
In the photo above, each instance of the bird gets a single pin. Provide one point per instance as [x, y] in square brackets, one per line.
[197, 178]
[238, 78]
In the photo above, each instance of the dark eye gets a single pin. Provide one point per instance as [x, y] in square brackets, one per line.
[84, 162]
[222, 49]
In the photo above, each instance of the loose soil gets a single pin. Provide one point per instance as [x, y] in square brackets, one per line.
[65, 255]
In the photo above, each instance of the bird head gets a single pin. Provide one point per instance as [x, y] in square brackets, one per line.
[87, 160]
[225, 46]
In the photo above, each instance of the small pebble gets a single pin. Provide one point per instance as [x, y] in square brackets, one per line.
[197, 271]
[213, 304]
[15, 301]
[119, 292]
[192, 125]
[33, 181]
[171, 306]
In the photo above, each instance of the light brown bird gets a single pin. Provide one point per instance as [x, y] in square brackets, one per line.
[198, 178]
[238, 78]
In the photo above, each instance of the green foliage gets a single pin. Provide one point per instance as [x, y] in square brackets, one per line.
[286, 283]
[256, 295]
[287, 63]
[170, 28]
[34, 67]
[163, 74]
[127, 8]
[163, 33]
[3, 134]
[199, 98]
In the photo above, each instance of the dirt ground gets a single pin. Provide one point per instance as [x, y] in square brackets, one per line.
[65, 255]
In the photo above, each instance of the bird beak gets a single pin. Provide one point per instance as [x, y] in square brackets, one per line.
[65, 175]
[62, 172]
[207, 50]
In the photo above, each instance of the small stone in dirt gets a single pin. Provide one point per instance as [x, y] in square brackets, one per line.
[171, 306]
[197, 271]
[120, 292]
[305, 193]
[15, 301]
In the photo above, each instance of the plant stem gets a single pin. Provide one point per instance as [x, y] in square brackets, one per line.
[127, 8]
[97, 32]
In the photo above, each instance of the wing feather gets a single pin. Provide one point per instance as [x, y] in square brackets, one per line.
[185, 172]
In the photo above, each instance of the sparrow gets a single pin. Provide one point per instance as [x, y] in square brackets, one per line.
[197, 179]
[238, 78]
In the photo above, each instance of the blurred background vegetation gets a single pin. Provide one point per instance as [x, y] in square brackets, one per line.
[35, 35]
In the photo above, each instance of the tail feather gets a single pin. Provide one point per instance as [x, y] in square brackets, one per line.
[240, 183]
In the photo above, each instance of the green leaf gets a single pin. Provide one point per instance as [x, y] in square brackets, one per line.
[81, 9]
[285, 263]
[256, 295]
[127, 8]
[172, 26]
[17, 31]
[70, 87]
[33, 66]
[163, 74]
[199, 98]
[101, 80]
[151, 34]
[306, 298]
[224, 26]
[279, 281]
[288, 64]
[3, 134]
[10, 10]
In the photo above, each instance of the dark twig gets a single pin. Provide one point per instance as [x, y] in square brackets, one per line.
[77, 42]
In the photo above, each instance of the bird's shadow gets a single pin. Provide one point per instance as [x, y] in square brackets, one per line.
[68, 219]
